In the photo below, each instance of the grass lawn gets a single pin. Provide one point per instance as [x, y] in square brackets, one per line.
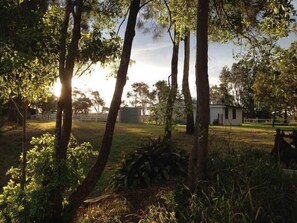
[127, 137]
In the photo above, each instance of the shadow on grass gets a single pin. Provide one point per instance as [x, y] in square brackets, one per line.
[126, 139]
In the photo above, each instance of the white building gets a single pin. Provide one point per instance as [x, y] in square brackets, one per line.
[225, 115]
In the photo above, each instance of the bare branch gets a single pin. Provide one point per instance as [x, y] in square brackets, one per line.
[125, 16]
[171, 22]
[17, 107]
[144, 4]
[84, 70]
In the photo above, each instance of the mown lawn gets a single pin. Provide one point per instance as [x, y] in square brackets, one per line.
[127, 137]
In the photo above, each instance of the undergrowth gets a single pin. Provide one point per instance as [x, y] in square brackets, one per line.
[246, 187]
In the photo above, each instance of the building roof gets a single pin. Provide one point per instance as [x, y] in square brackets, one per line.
[223, 106]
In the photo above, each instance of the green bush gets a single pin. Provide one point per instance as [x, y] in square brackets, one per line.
[242, 188]
[154, 162]
[33, 204]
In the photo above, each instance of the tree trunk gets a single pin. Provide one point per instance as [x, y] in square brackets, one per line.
[67, 57]
[77, 197]
[24, 144]
[66, 66]
[173, 89]
[25, 105]
[198, 156]
[190, 129]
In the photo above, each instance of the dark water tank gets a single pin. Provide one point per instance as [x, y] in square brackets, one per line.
[130, 115]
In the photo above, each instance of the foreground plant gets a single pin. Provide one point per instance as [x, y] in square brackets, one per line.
[246, 187]
[33, 204]
[155, 161]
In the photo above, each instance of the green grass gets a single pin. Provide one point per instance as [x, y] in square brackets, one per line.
[126, 139]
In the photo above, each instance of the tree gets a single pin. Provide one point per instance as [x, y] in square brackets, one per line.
[25, 85]
[158, 107]
[197, 161]
[237, 20]
[48, 105]
[223, 94]
[275, 82]
[83, 44]
[159, 97]
[190, 128]
[97, 101]
[187, 22]
[22, 36]
[77, 197]
[173, 87]
[81, 103]
[243, 79]
[140, 95]
[26, 68]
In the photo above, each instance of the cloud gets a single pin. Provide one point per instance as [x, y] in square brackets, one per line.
[151, 47]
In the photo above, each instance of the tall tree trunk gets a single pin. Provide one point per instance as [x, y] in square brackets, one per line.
[190, 129]
[24, 144]
[67, 57]
[66, 67]
[25, 105]
[77, 197]
[173, 89]
[198, 156]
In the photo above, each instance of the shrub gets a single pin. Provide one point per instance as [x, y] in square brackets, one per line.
[155, 161]
[242, 188]
[33, 204]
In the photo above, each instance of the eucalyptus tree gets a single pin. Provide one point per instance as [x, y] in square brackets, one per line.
[81, 103]
[190, 125]
[247, 20]
[140, 95]
[86, 186]
[177, 20]
[187, 22]
[89, 40]
[47, 106]
[169, 18]
[97, 101]
[275, 82]
[173, 86]
[180, 16]
[159, 97]
[198, 156]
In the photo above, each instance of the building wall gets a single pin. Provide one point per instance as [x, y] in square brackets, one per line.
[222, 115]
[216, 115]
[234, 116]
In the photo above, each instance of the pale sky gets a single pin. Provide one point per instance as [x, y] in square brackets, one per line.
[153, 60]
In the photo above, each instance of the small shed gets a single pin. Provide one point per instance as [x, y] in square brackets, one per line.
[130, 115]
[225, 115]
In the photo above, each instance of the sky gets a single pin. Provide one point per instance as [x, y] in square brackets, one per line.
[153, 60]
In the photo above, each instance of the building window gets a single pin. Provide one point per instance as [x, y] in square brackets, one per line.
[226, 113]
[234, 113]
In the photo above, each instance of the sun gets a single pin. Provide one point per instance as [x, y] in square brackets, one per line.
[56, 88]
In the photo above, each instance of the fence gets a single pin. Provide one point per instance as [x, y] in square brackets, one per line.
[269, 121]
[95, 117]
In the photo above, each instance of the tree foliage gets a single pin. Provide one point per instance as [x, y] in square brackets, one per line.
[97, 101]
[81, 103]
[140, 96]
[33, 204]
[275, 83]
